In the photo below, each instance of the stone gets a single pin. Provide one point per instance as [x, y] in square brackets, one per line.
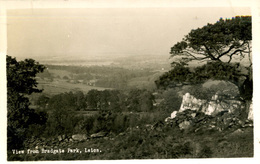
[184, 125]
[214, 108]
[79, 137]
[61, 137]
[173, 114]
[168, 119]
[193, 115]
[98, 135]
[236, 132]
[192, 103]
[210, 108]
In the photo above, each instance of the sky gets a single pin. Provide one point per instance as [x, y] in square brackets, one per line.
[105, 31]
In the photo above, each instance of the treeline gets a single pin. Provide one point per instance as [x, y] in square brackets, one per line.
[135, 100]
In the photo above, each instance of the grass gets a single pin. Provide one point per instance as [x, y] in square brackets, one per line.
[170, 143]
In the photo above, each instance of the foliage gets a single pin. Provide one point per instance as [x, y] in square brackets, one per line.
[21, 82]
[60, 121]
[232, 72]
[219, 41]
[140, 100]
[153, 144]
[21, 75]
[68, 100]
[171, 101]
[218, 45]
[177, 75]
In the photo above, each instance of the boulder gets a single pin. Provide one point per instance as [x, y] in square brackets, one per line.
[61, 137]
[192, 103]
[184, 125]
[214, 108]
[79, 137]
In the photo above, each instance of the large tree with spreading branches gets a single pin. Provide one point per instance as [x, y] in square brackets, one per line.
[218, 50]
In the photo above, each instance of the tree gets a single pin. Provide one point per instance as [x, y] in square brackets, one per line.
[171, 101]
[93, 99]
[221, 41]
[220, 47]
[61, 121]
[140, 100]
[21, 82]
[80, 100]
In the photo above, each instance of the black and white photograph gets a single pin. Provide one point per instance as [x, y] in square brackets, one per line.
[88, 81]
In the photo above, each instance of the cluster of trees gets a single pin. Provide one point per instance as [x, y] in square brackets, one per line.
[135, 100]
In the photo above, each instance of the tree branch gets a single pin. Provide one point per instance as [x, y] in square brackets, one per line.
[240, 51]
[224, 53]
[209, 53]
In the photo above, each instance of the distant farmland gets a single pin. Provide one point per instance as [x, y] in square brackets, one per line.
[56, 87]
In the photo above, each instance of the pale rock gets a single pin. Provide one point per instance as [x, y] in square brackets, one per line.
[236, 133]
[250, 113]
[192, 103]
[184, 125]
[210, 108]
[173, 114]
[167, 119]
[193, 115]
[79, 137]
[214, 108]
[215, 97]
[98, 135]
[61, 137]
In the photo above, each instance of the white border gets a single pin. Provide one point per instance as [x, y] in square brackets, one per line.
[25, 4]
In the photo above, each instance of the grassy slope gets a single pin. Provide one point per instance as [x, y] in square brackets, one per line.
[168, 143]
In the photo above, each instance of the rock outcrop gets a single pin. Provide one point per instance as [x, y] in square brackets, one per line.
[192, 103]
[217, 113]
[212, 107]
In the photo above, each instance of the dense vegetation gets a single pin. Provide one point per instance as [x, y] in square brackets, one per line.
[20, 84]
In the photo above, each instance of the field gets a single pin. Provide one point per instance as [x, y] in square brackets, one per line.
[61, 86]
